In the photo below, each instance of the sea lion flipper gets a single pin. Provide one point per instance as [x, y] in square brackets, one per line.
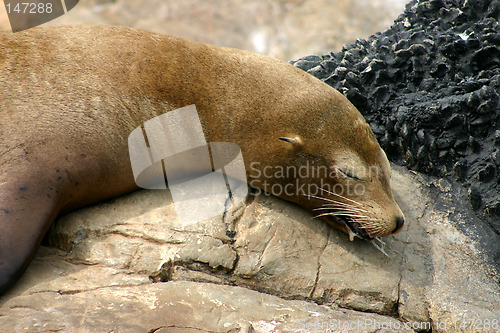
[22, 227]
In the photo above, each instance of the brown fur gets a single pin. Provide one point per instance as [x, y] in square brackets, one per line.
[70, 96]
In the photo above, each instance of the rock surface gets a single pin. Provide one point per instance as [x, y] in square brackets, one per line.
[266, 266]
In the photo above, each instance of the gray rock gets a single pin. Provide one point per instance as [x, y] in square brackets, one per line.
[268, 266]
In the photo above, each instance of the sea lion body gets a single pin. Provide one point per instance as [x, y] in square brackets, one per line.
[70, 97]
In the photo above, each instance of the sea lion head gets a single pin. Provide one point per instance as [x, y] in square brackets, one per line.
[345, 178]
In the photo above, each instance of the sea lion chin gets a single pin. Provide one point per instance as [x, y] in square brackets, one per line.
[70, 96]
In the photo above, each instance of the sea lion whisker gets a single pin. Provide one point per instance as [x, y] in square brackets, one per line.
[364, 221]
[322, 208]
[371, 228]
[371, 223]
[336, 203]
[342, 205]
[379, 245]
[368, 219]
[353, 213]
[322, 198]
[316, 197]
[341, 210]
[341, 196]
[377, 239]
[342, 214]
[328, 214]
[324, 214]
[347, 215]
[368, 225]
[361, 222]
[347, 206]
[360, 217]
[331, 201]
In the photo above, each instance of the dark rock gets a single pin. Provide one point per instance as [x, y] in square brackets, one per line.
[445, 141]
[474, 145]
[454, 120]
[495, 157]
[486, 173]
[474, 198]
[497, 138]
[486, 58]
[439, 70]
[306, 64]
[460, 169]
[494, 209]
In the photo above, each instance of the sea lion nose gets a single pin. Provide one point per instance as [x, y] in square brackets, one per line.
[400, 221]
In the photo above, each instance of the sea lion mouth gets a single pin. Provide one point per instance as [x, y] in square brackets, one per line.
[343, 213]
[354, 229]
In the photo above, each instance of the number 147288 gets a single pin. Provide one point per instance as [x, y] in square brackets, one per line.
[30, 8]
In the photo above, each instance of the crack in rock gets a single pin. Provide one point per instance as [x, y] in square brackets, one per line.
[311, 295]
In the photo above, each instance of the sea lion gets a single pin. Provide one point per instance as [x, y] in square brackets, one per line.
[70, 96]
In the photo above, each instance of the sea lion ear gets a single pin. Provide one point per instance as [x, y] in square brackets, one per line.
[295, 140]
